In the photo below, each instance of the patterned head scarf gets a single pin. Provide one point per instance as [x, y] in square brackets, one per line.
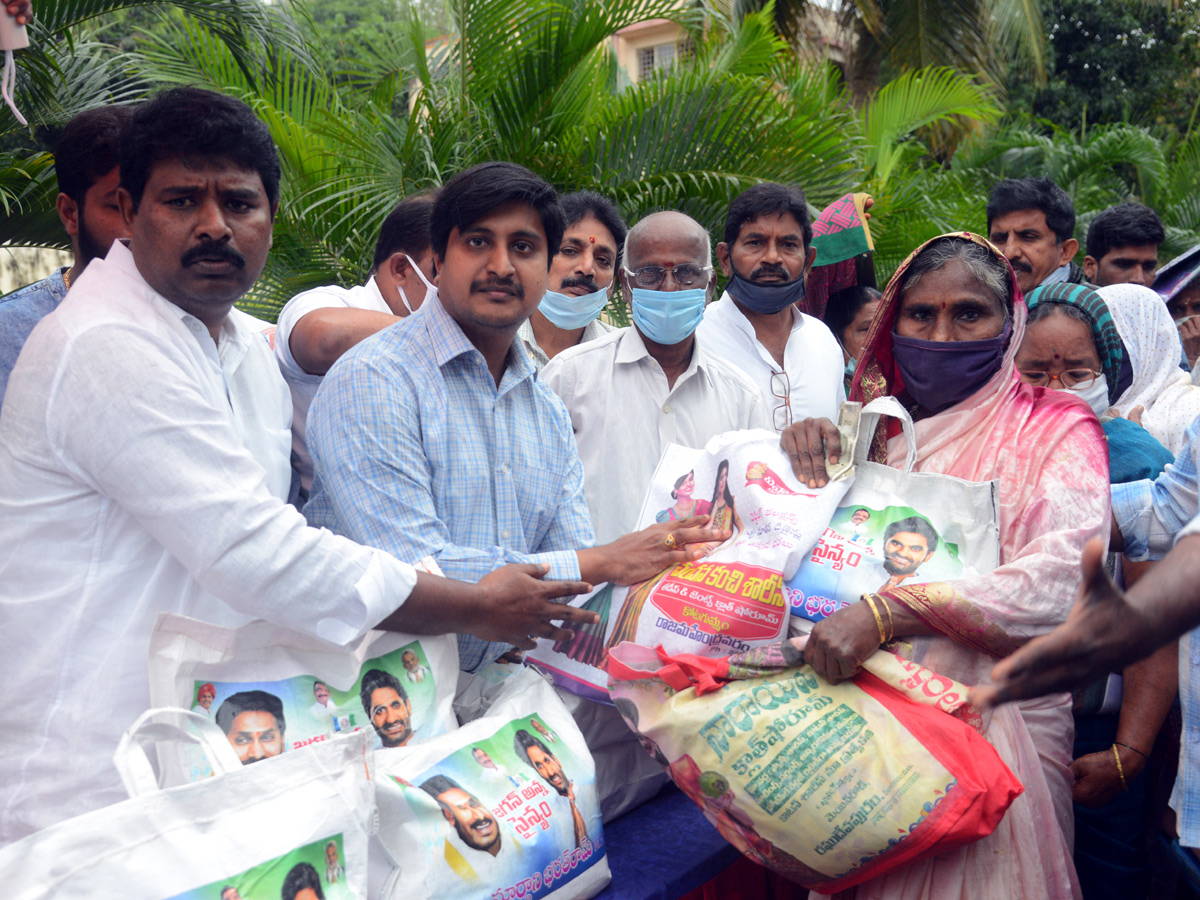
[1104, 330]
[845, 252]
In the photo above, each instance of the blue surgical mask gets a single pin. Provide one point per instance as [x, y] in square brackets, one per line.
[568, 313]
[765, 299]
[668, 317]
[850, 366]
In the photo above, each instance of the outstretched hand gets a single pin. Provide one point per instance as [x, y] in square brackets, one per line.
[517, 606]
[1102, 634]
[804, 442]
[636, 557]
[21, 10]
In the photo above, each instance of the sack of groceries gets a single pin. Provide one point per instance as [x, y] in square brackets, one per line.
[504, 807]
[732, 599]
[828, 785]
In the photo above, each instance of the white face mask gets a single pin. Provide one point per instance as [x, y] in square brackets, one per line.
[1094, 395]
[430, 290]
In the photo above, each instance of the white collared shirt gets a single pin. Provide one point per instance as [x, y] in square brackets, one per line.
[596, 328]
[141, 472]
[812, 360]
[624, 415]
[303, 385]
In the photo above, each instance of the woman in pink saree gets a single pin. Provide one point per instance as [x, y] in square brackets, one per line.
[943, 342]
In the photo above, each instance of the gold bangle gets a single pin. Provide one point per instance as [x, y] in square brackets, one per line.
[878, 620]
[1120, 770]
[887, 609]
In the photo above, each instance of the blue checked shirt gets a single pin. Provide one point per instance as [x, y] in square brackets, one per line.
[1152, 516]
[417, 452]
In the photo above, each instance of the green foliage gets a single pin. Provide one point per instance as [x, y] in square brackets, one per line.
[1113, 61]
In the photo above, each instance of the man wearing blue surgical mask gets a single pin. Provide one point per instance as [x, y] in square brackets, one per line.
[632, 392]
[756, 326]
[582, 276]
[317, 326]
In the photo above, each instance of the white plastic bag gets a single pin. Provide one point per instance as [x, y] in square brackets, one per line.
[894, 527]
[252, 828]
[505, 807]
[728, 602]
[273, 690]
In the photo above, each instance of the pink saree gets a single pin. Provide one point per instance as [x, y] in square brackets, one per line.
[1048, 452]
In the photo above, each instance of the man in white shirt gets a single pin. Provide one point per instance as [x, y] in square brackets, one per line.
[582, 275]
[317, 326]
[477, 849]
[322, 708]
[143, 469]
[633, 391]
[792, 357]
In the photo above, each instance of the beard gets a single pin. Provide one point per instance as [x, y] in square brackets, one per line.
[900, 568]
[90, 246]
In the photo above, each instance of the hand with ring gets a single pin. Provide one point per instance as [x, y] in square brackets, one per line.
[671, 543]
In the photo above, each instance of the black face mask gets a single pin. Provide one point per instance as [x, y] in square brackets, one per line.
[765, 299]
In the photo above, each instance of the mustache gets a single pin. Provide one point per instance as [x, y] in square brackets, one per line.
[482, 824]
[499, 284]
[1020, 265]
[579, 281]
[222, 252]
[769, 269]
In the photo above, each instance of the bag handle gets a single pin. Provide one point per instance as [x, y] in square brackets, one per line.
[871, 414]
[133, 764]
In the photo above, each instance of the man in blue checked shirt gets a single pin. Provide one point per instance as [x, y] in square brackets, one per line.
[435, 437]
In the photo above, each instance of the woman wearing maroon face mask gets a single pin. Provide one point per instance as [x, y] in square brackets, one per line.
[944, 343]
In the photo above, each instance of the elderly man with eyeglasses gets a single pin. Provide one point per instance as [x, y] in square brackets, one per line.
[766, 255]
[633, 391]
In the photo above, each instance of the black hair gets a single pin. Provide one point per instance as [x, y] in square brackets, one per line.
[862, 509]
[523, 741]
[1124, 225]
[192, 124]
[88, 148]
[480, 190]
[249, 701]
[1015, 194]
[439, 784]
[404, 230]
[679, 481]
[580, 204]
[845, 304]
[373, 680]
[318, 681]
[302, 876]
[225, 890]
[766, 199]
[913, 525]
[724, 464]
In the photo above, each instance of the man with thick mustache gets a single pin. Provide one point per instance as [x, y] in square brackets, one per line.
[475, 850]
[144, 468]
[792, 357]
[566, 820]
[1032, 222]
[436, 437]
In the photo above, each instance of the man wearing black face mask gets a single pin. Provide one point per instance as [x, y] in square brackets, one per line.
[766, 255]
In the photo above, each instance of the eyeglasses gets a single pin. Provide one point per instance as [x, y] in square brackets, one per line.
[1072, 378]
[781, 387]
[685, 275]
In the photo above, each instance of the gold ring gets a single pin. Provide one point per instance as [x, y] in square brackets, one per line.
[671, 543]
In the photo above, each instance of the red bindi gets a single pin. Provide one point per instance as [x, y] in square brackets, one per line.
[592, 238]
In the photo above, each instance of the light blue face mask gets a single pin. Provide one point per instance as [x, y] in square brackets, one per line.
[568, 313]
[668, 317]
[850, 366]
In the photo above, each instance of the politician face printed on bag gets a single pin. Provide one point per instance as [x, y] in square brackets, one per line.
[470, 819]
[386, 703]
[254, 723]
[907, 544]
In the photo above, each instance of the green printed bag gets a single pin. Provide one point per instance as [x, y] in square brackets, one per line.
[828, 785]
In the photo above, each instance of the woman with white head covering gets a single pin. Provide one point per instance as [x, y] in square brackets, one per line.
[1160, 386]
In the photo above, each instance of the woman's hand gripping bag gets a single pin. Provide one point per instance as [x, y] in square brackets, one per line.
[728, 601]
[397, 688]
[504, 807]
[894, 527]
[828, 785]
[300, 821]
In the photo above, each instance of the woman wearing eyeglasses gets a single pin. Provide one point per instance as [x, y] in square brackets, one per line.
[1072, 344]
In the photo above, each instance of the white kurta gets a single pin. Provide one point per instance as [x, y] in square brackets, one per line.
[143, 470]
